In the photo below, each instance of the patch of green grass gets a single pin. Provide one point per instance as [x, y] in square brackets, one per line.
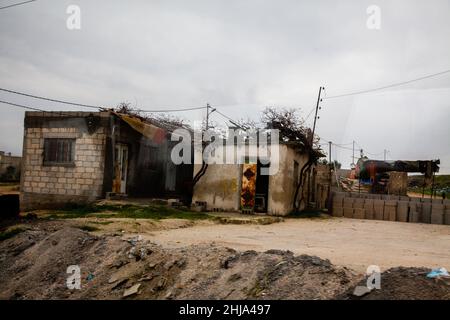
[10, 233]
[88, 228]
[155, 212]
[103, 223]
[308, 213]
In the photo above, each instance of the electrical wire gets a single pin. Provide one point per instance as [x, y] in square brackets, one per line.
[309, 114]
[224, 115]
[93, 106]
[49, 99]
[173, 110]
[16, 4]
[21, 106]
[388, 86]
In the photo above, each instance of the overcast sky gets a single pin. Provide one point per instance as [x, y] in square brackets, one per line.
[241, 55]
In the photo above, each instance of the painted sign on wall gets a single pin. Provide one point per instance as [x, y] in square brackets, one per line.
[248, 186]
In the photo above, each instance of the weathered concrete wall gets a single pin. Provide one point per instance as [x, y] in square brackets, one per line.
[390, 208]
[6, 161]
[321, 186]
[221, 184]
[219, 187]
[53, 185]
[282, 185]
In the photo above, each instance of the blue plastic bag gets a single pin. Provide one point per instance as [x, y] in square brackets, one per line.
[439, 272]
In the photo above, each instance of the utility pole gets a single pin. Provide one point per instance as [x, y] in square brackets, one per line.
[329, 151]
[207, 116]
[202, 170]
[353, 152]
[316, 117]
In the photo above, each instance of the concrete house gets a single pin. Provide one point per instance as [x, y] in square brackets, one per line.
[9, 166]
[82, 156]
[242, 187]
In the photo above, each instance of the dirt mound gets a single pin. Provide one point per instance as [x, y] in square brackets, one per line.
[406, 284]
[34, 265]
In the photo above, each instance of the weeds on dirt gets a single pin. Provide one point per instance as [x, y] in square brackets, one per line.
[103, 223]
[10, 233]
[156, 212]
[309, 214]
[260, 221]
[88, 228]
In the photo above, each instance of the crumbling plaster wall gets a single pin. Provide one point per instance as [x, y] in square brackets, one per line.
[282, 185]
[219, 186]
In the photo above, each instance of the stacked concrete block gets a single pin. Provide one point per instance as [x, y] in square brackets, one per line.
[368, 206]
[348, 207]
[337, 207]
[378, 209]
[426, 212]
[415, 212]
[437, 213]
[402, 211]
[359, 213]
[390, 210]
[358, 208]
[340, 194]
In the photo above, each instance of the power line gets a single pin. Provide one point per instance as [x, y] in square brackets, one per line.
[388, 86]
[16, 4]
[344, 144]
[174, 110]
[21, 106]
[310, 113]
[49, 99]
[225, 116]
[92, 106]
[33, 108]
[345, 148]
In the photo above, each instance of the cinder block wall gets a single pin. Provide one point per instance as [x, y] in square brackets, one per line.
[44, 186]
[390, 208]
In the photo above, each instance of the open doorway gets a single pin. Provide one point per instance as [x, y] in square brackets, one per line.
[120, 168]
[262, 189]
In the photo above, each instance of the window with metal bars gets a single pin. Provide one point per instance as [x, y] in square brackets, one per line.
[59, 151]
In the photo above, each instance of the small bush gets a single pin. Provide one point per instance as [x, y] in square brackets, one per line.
[10, 233]
[88, 228]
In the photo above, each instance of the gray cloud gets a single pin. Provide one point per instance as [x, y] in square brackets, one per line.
[243, 54]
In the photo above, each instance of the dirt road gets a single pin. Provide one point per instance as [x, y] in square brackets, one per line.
[347, 242]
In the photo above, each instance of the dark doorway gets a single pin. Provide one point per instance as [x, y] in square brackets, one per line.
[262, 189]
